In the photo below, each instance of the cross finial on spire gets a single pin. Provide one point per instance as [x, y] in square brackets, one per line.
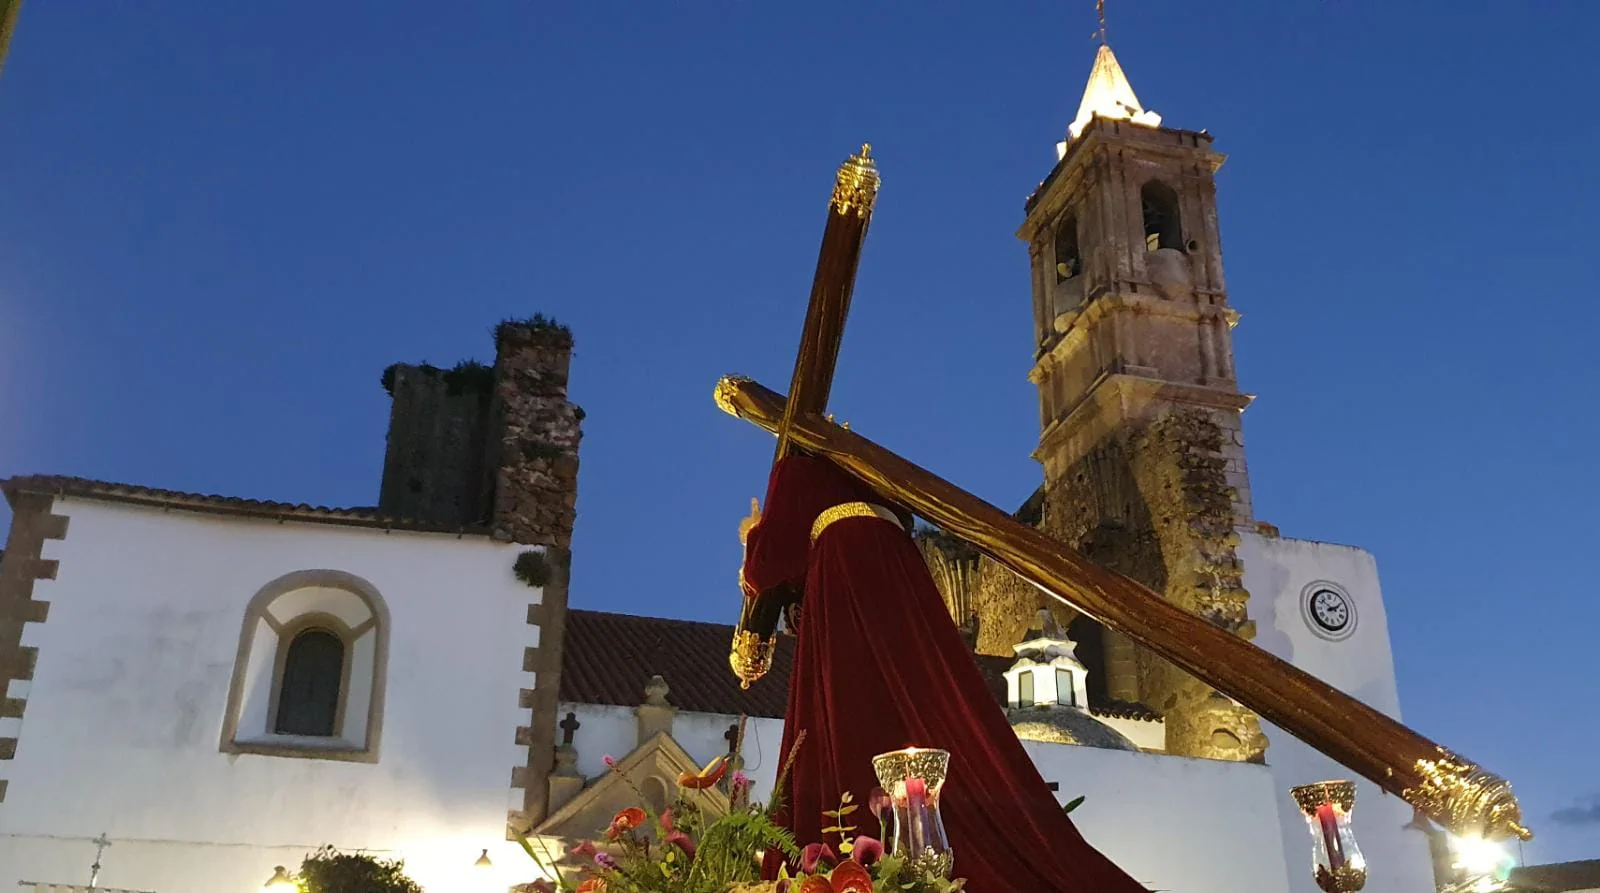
[1100, 10]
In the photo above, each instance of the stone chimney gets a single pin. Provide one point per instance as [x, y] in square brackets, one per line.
[535, 452]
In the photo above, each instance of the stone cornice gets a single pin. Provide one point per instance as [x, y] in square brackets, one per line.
[1079, 322]
[1129, 388]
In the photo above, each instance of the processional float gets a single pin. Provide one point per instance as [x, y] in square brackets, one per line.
[1459, 795]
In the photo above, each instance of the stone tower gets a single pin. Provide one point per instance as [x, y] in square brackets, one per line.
[492, 447]
[1138, 404]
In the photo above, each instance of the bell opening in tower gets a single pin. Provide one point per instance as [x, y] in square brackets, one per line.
[1162, 224]
[1068, 261]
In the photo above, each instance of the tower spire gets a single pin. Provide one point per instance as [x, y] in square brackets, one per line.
[1108, 93]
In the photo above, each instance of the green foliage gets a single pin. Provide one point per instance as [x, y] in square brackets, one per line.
[532, 568]
[538, 323]
[469, 377]
[726, 851]
[532, 449]
[330, 871]
[465, 377]
[838, 826]
[682, 851]
[1072, 804]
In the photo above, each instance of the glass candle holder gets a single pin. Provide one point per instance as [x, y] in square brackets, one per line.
[1336, 861]
[913, 778]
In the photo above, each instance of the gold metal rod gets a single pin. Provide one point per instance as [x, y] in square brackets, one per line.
[1457, 794]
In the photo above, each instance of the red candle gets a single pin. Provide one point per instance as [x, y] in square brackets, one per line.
[1330, 836]
[916, 789]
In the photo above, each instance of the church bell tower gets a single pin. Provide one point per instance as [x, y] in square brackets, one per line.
[1139, 406]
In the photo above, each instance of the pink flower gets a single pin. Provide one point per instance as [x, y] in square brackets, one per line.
[866, 850]
[682, 841]
[585, 849]
[609, 760]
[604, 860]
[666, 820]
[740, 781]
[813, 854]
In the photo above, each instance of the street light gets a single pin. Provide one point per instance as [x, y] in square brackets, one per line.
[483, 862]
[280, 882]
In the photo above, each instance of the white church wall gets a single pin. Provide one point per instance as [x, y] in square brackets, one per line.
[125, 716]
[1146, 734]
[1173, 823]
[1281, 575]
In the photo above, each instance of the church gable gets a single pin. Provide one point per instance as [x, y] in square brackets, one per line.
[646, 777]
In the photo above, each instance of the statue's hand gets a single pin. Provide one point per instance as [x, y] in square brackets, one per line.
[745, 524]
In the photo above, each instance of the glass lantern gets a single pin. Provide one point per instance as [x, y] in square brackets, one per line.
[913, 779]
[1336, 861]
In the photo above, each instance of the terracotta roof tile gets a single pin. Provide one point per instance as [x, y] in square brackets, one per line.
[59, 485]
[608, 658]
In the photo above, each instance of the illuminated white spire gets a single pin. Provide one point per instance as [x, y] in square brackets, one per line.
[1108, 95]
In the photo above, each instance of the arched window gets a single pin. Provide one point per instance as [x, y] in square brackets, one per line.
[1163, 225]
[1066, 694]
[311, 685]
[1068, 261]
[309, 678]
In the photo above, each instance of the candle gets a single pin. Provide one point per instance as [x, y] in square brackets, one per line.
[1330, 835]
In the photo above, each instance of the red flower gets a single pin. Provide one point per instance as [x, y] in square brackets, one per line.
[625, 821]
[682, 841]
[866, 850]
[850, 877]
[813, 855]
[814, 884]
[593, 885]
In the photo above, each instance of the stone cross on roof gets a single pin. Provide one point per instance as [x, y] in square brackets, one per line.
[569, 726]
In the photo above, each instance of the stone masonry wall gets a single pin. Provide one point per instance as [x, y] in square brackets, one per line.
[1154, 503]
[536, 454]
[32, 523]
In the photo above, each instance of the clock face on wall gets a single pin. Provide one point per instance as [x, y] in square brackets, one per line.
[1329, 611]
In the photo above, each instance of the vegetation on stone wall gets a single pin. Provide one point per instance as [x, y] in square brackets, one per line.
[535, 323]
[330, 871]
[532, 568]
[533, 449]
[465, 377]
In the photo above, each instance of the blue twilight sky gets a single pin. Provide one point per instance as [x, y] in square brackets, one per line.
[220, 221]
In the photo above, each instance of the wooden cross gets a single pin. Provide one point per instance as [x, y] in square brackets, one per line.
[1454, 792]
[855, 192]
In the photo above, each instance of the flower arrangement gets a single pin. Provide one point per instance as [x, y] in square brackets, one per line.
[683, 850]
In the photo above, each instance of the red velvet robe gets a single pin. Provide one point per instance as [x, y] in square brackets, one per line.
[879, 666]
